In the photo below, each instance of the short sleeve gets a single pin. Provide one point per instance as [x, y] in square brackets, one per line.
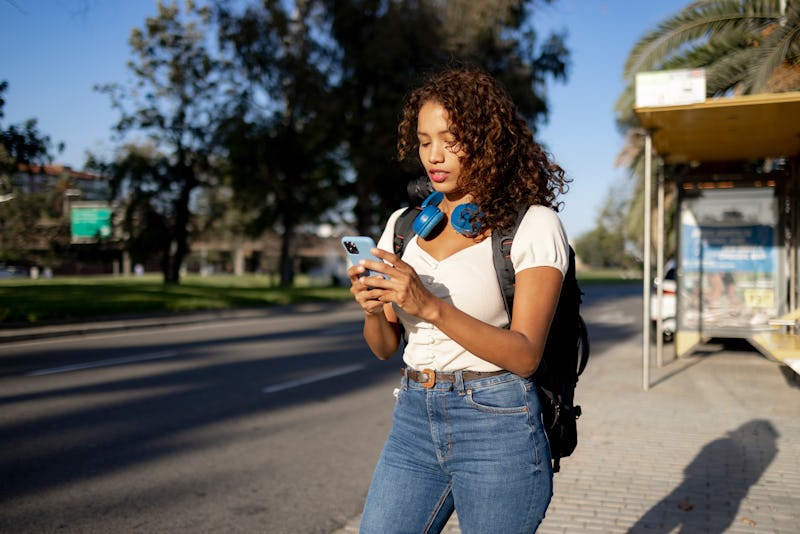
[540, 241]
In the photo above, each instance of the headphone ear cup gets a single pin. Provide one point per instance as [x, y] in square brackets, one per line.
[428, 219]
[462, 219]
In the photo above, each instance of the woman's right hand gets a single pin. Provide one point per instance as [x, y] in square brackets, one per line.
[381, 327]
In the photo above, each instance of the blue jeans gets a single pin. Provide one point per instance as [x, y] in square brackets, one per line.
[477, 447]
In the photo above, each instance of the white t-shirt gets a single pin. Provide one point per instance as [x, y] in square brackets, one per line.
[467, 280]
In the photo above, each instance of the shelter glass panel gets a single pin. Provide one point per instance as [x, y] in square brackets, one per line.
[729, 261]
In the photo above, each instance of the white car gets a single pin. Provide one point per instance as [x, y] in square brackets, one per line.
[668, 304]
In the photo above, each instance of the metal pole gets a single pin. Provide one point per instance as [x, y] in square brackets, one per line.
[660, 268]
[648, 171]
[793, 240]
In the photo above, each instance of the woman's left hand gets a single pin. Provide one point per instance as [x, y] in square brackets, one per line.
[403, 287]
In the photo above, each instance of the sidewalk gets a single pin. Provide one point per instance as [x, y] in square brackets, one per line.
[712, 447]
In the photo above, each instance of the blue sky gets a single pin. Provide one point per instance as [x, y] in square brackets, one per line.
[55, 51]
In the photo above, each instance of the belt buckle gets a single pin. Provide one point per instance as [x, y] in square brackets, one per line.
[431, 381]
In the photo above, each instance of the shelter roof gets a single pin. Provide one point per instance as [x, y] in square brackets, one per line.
[737, 128]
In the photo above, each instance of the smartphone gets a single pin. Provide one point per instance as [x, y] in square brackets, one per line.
[358, 248]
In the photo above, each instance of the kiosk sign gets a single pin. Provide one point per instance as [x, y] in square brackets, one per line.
[670, 88]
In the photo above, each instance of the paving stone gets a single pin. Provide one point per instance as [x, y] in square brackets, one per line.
[711, 447]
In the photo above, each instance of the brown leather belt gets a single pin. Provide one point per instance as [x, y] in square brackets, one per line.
[429, 378]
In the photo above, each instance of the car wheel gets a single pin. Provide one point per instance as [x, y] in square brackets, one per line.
[668, 330]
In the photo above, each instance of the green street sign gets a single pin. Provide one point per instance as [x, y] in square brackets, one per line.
[88, 223]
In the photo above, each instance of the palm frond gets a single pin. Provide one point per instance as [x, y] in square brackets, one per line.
[632, 149]
[698, 21]
[624, 105]
[781, 46]
[705, 54]
[729, 71]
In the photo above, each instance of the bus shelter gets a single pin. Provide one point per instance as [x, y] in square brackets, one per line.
[733, 165]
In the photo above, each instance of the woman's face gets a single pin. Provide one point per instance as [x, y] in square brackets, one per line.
[439, 151]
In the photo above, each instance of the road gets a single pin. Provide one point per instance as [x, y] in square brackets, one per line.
[260, 425]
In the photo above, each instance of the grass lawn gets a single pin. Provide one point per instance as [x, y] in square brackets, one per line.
[24, 301]
[74, 298]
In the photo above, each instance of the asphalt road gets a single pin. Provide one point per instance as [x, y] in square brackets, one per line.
[267, 425]
[259, 425]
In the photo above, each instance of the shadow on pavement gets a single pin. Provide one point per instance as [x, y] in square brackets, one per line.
[715, 483]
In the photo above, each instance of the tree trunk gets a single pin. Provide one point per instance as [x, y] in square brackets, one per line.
[286, 266]
[179, 246]
[181, 232]
[166, 258]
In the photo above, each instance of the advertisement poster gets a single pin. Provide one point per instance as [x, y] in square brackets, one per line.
[729, 261]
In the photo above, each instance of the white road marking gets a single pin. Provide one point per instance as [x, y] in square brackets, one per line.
[612, 317]
[103, 363]
[313, 378]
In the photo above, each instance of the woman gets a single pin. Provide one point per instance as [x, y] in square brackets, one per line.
[467, 432]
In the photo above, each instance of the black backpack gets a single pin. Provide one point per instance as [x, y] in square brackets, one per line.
[566, 351]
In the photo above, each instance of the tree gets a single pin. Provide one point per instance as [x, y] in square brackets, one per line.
[745, 46]
[605, 245]
[321, 83]
[387, 46]
[281, 136]
[23, 146]
[138, 175]
[173, 101]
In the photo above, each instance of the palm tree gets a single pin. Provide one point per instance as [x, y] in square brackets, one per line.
[745, 47]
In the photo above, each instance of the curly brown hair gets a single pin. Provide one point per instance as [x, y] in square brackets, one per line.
[504, 167]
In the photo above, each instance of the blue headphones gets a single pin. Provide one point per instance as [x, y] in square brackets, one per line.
[462, 218]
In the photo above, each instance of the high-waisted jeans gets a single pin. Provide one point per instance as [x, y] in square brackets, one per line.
[477, 447]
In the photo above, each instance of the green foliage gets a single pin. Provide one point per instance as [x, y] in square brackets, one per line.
[319, 84]
[21, 144]
[25, 218]
[31, 221]
[141, 177]
[173, 101]
[600, 248]
[284, 156]
[386, 47]
[606, 245]
[296, 109]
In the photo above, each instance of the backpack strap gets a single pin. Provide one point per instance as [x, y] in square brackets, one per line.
[501, 257]
[403, 231]
[404, 228]
[583, 350]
